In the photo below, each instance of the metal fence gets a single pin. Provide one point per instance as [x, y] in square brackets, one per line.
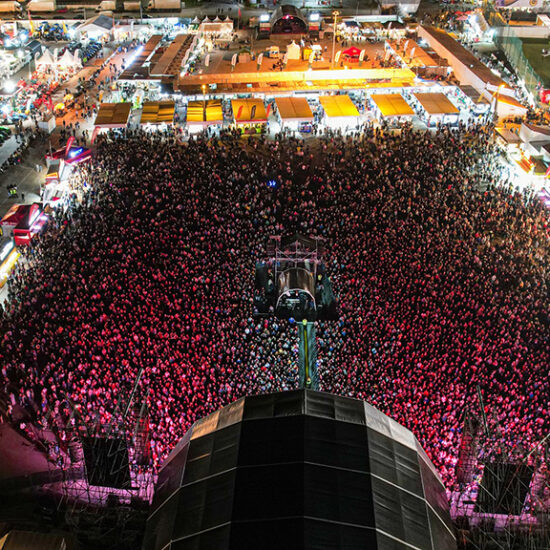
[512, 46]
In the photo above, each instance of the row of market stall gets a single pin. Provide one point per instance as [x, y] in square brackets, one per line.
[291, 111]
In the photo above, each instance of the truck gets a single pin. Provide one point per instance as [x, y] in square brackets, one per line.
[10, 7]
[164, 5]
[41, 6]
[106, 5]
[132, 6]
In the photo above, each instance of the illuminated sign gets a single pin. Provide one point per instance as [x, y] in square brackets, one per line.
[8, 247]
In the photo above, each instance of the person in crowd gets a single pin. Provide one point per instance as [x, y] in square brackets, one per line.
[440, 268]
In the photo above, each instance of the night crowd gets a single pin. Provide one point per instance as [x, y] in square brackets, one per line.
[439, 266]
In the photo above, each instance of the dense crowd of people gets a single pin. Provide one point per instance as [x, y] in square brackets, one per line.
[440, 269]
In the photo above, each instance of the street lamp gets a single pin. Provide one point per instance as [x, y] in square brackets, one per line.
[336, 13]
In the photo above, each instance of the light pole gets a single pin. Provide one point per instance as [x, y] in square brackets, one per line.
[336, 13]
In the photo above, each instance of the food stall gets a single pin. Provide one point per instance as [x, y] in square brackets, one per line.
[436, 108]
[14, 215]
[294, 112]
[201, 114]
[32, 223]
[249, 115]
[340, 111]
[111, 115]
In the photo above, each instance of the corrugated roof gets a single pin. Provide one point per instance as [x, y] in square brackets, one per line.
[464, 56]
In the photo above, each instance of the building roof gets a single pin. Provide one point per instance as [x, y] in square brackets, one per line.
[113, 115]
[474, 95]
[101, 21]
[338, 105]
[436, 104]
[294, 108]
[171, 60]
[392, 105]
[465, 57]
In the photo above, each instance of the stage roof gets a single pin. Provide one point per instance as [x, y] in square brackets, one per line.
[205, 111]
[392, 105]
[249, 110]
[436, 104]
[338, 105]
[294, 108]
[113, 115]
[158, 112]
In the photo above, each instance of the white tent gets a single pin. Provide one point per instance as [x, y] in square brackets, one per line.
[45, 60]
[293, 51]
[217, 20]
[196, 20]
[68, 60]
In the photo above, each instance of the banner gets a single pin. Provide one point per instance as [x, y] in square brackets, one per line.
[285, 59]
[234, 60]
[259, 61]
[70, 141]
[94, 133]
[253, 112]
[268, 109]
[207, 60]
[412, 53]
[338, 54]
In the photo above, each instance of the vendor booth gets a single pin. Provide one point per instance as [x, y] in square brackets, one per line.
[437, 109]
[249, 114]
[14, 215]
[340, 110]
[294, 112]
[392, 106]
[204, 113]
[32, 223]
[113, 115]
[158, 112]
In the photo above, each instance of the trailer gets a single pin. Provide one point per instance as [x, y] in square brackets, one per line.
[132, 6]
[164, 5]
[41, 6]
[106, 5]
[10, 7]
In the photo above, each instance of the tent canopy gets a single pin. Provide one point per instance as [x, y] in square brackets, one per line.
[158, 112]
[294, 108]
[392, 105]
[249, 110]
[202, 112]
[338, 106]
[436, 104]
[352, 52]
[113, 115]
[46, 59]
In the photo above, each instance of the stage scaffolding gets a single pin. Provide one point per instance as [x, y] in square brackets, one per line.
[102, 473]
[502, 497]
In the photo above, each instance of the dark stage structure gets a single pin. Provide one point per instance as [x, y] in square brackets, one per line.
[301, 470]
